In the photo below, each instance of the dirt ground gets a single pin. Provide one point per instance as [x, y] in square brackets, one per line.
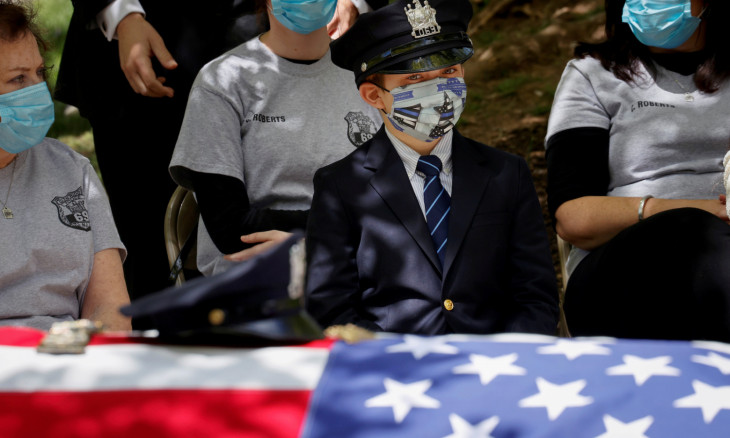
[521, 48]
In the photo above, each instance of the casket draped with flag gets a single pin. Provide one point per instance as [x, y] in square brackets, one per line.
[393, 386]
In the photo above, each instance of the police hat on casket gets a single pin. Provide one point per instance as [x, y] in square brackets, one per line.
[259, 299]
[407, 36]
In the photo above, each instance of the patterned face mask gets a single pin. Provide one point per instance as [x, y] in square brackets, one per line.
[303, 16]
[26, 114]
[661, 23]
[428, 110]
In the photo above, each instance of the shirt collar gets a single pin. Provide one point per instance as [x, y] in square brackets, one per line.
[410, 157]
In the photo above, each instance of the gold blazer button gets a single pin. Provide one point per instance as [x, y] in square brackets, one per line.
[216, 317]
[449, 305]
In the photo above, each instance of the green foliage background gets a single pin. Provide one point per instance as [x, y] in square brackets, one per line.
[72, 129]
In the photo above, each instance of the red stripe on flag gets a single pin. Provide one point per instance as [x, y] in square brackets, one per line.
[159, 414]
[20, 336]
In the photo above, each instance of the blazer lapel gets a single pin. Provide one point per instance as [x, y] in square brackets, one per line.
[390, 181]
[469, 183]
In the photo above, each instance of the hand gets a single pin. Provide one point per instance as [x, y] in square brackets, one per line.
[138, 43]
[714, 206]
[345, 15]
[264, 241]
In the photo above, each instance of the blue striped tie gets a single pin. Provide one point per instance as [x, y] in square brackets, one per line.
[437, 203]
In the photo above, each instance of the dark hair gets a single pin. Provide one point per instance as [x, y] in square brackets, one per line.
[260, 6]
[262, 18]
[621, 52]
[17, 19]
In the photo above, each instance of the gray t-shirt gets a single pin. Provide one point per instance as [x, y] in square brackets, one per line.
[271, 123]
[61, 219]
[660, 143]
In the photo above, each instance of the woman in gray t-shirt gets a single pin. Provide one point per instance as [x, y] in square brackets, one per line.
[60, 254]
[635, 142]
[260, 120]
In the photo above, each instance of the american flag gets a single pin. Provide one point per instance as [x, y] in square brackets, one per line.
[136, 388]
[405, 386]
[522, 386]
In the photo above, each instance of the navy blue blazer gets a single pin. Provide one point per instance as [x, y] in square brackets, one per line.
[371, 260]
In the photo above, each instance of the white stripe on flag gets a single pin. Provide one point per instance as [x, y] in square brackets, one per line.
[140, 366]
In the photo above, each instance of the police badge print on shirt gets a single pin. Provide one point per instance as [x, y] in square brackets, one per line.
[360, 128]
[72, 210]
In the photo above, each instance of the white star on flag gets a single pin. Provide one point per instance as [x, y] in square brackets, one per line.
[490, 367]
[618, 429]
[420, 346]
[463, 429]
[708, 398]
[720, 347]
[402, 397]
[556, 398]
[572, 349]
[722, 363]
[642, 368]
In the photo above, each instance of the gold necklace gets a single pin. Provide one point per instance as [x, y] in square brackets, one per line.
[7, 212]
[687, 95]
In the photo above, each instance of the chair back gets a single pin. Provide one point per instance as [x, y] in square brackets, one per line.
[563, 251]
[181, 220]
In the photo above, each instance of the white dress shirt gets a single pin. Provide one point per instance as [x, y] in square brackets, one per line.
[108, 19]
[410, 161]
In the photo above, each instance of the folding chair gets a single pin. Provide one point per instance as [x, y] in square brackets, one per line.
[563, 251]
[181, 225]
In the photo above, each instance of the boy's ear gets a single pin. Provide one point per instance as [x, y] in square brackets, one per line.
[370, 94]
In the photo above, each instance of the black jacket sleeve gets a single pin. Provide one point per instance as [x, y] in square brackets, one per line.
[88, 9]
[333, 295]
[534, 299]
[228, 214]
[377, 4]
[577, 161]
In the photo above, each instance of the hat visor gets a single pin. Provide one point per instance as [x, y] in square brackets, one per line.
[295, 327]
[426, 59]
[429, 61]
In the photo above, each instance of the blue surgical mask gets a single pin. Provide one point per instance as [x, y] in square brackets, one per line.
[303, 16]
[26, 114]
[661, 23]
[428, 110]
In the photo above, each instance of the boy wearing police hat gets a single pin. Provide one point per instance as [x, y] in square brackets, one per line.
[421, 230]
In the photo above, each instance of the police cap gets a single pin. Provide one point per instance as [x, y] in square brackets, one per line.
[257, 300]
[407, 36]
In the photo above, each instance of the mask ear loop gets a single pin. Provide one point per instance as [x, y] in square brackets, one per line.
[379, 86]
